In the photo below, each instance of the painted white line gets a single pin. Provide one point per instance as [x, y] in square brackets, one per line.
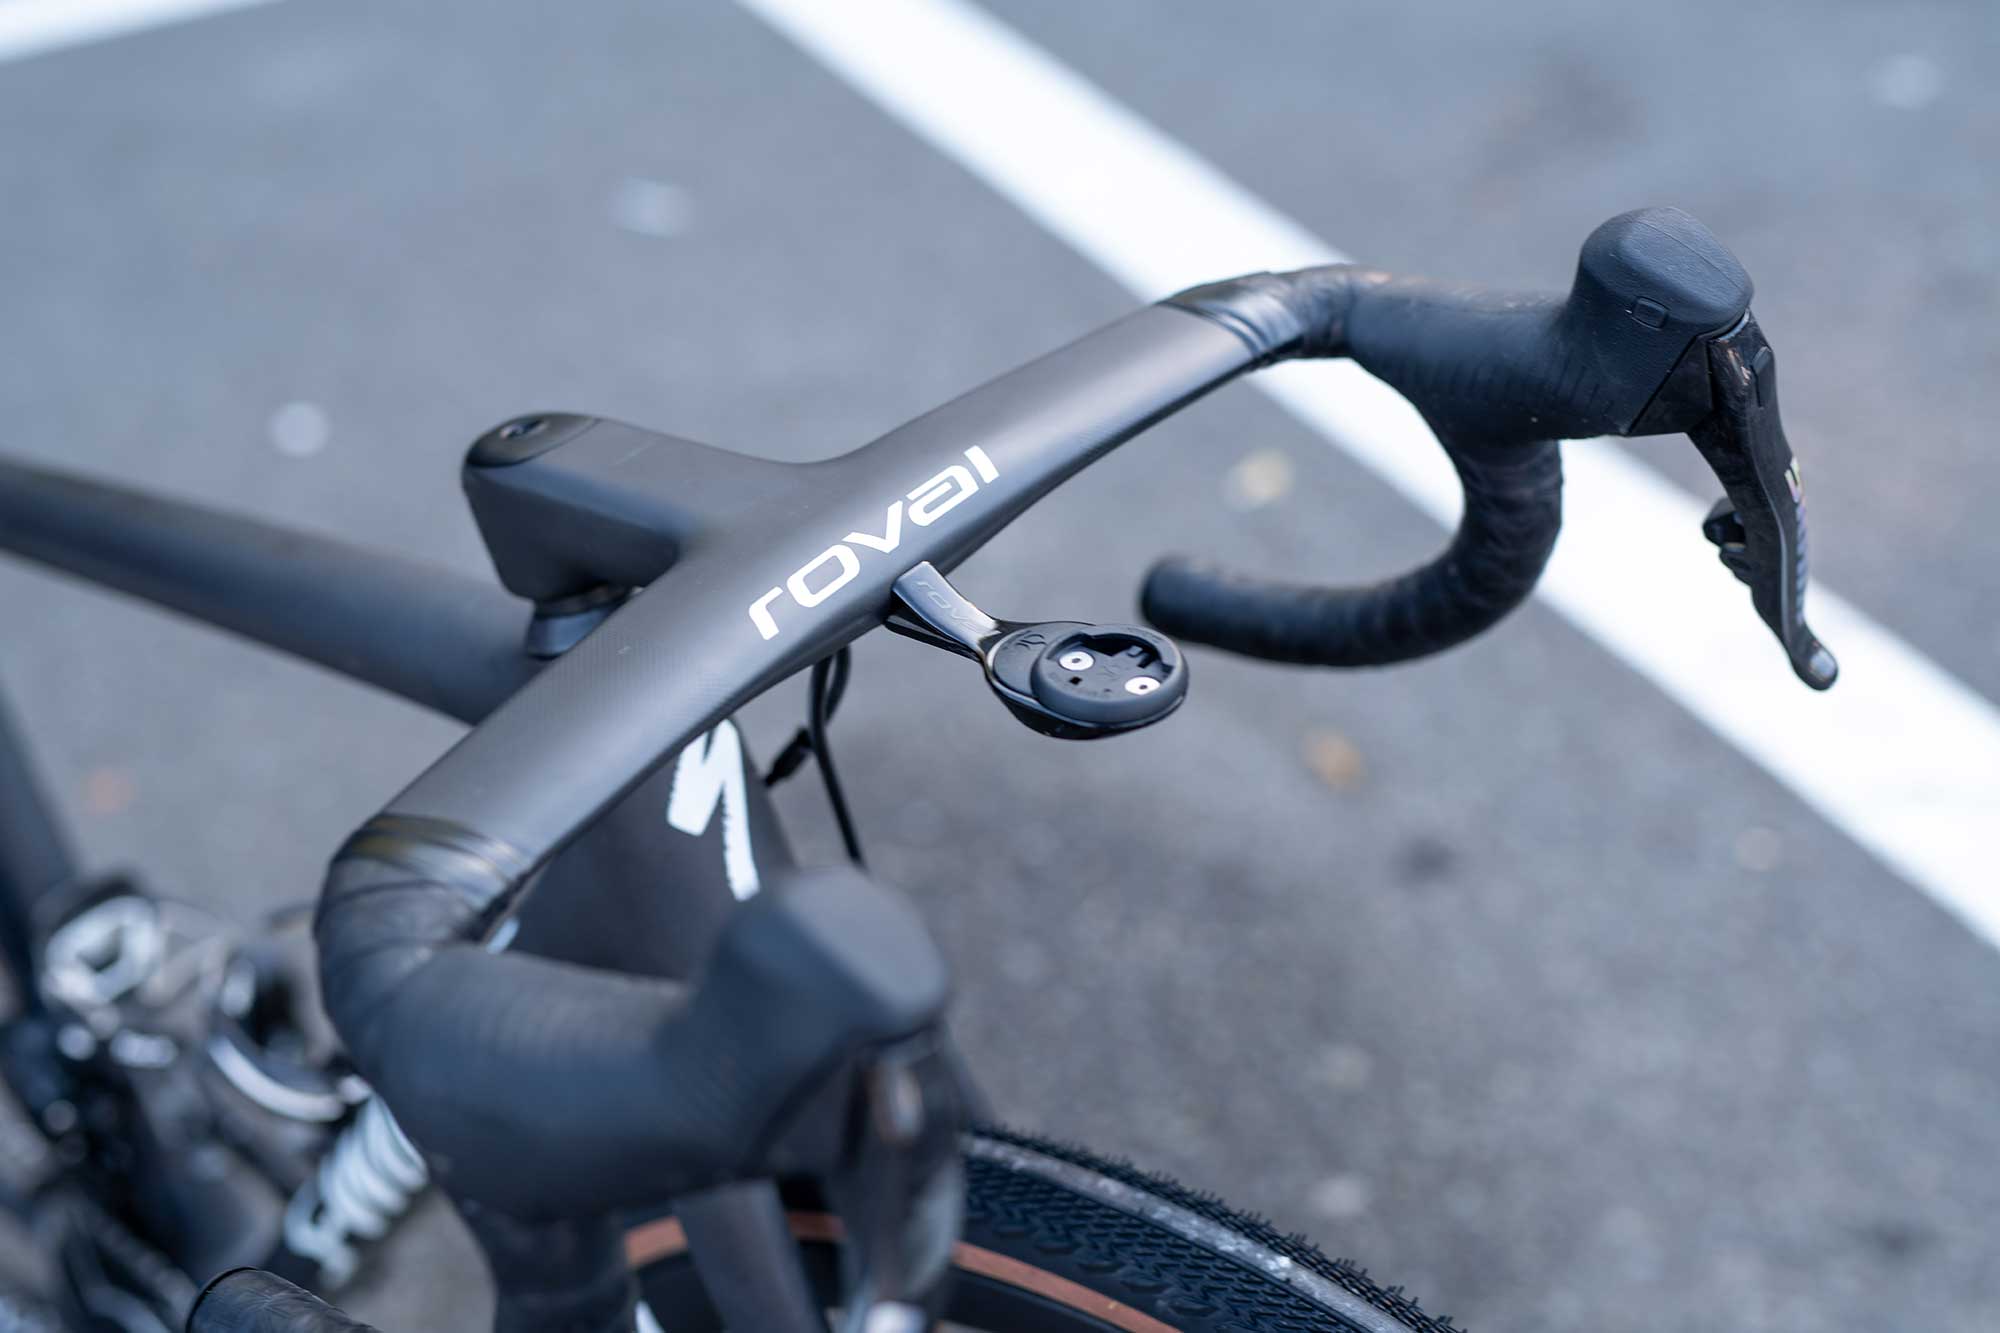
[36, 27]
[1901, 756]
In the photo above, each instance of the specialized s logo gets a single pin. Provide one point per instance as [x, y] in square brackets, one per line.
[834, 568]
[709, 777]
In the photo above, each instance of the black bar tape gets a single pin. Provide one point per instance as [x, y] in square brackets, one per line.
[1499, 378]
[249, 1300]
[549, 1090]
[1513, 511]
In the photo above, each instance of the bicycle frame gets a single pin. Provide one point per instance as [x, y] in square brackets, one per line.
[667, 862]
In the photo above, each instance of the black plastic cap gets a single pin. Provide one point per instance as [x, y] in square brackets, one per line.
[521, 438]
[1664, 272]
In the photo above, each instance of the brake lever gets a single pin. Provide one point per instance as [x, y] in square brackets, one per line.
[1724, 395]
[1062, 678]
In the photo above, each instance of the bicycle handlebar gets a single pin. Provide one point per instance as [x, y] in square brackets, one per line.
[617, 1088]
[1499, 379]
[549, 1090]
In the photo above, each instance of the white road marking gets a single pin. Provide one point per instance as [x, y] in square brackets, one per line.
[1901, 756]
[36, 27]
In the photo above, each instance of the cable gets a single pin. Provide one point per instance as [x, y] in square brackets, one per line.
[829, 683]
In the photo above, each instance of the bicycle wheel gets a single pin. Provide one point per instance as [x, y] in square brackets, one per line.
[1059, 1240]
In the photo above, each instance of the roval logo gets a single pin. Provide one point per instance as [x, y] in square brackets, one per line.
[834, 568]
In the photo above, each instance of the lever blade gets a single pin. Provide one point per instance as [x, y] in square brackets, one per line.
[1761, 530]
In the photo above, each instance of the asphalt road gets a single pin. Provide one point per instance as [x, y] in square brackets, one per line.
[1499, 972]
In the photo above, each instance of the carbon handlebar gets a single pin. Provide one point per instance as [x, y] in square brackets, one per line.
[1500, 379]
[553, 1088]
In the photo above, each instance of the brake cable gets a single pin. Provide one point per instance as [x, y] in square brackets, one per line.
[824, 691]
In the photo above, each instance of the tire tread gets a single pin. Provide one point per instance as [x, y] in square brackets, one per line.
[1166, 1273]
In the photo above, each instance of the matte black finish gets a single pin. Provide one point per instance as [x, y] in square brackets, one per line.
[1641, 344]
[432, 637]
[566, 1274]
[1105, 675]
[519, 439]
[636, 895]
[628, 1088]
[1025, 667]
[1761, 527]
[245, 1300]
[686, 653]
[419, 1003]
[746, 1255]
[599, 503]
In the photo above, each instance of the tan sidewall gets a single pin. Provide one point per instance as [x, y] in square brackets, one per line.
[664, 1239]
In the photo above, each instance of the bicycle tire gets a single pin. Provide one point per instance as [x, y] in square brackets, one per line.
[1058, 1239]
